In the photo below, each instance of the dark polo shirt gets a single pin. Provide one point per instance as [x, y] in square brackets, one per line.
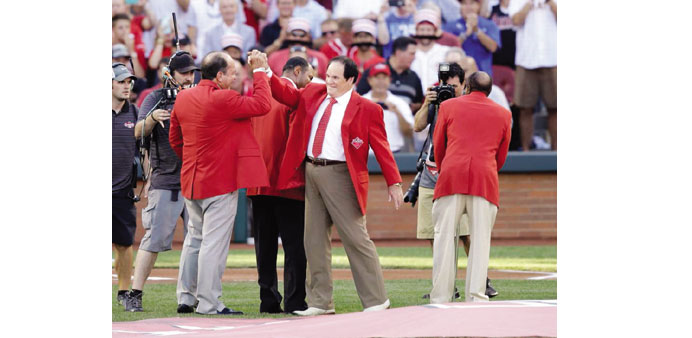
[164, 161]
[124, 146]
[405, 85]
[270, 33]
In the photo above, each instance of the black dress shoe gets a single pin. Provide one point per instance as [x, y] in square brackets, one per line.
[227, 311]
[489, 290]
[271, 309]
[184, 308]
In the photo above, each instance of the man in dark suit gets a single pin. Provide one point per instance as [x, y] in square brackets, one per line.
[280, 212]
[212, 134]
[338, 127]
[471, 140]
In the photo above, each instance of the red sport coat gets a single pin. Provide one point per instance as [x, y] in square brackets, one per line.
[271, 132]
[471, 140]
[211, 133]
[362, 126]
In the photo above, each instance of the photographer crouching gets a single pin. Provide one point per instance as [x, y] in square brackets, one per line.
[451, 78]
[471, 141]
[162, 167]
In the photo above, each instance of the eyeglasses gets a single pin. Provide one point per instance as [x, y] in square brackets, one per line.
[298, 33]
[325, 33]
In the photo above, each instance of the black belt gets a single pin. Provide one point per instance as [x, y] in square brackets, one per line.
[319, 161]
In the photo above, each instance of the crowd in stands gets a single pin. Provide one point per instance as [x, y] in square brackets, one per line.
[397, 49]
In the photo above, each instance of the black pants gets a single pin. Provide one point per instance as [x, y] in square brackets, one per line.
[274, 217]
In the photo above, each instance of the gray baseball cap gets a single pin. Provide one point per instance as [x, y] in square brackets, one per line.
[119, 50]
[120, 72]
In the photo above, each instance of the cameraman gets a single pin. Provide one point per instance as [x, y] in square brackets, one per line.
[165, 202]
[425, 228]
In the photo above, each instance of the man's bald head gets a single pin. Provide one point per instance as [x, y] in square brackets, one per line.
[213, 63]
[480, 82]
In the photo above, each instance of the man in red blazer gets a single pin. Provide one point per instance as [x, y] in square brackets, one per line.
[471, 140]
[336, 128]
[211, 132]
[279, 212]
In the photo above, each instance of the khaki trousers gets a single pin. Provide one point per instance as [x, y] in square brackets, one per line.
[331, 199]
[205, 250]
[446, 213]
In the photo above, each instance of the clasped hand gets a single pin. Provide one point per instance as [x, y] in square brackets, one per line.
[257, 59]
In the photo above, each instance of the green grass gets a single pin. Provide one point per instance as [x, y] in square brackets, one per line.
[159, 299]
[526, 258]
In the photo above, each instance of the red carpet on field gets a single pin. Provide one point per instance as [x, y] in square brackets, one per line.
[524, 318]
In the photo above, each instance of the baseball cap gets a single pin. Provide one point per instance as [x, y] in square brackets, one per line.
[364, 25]
[298, 24]
[232, 40]
[119, 50]
[182, 63]
[380, 68]
[427, 15]
[120, 72]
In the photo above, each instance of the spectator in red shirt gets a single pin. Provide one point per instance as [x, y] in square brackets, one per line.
[330, 32]
[362, 50]
[339, 45]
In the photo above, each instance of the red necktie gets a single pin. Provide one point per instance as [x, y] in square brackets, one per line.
[322, 129]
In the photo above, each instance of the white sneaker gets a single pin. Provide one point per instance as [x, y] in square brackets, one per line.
[313, 311]
[380, 307]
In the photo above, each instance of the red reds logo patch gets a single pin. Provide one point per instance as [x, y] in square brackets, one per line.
[129, 124]
[357, 142]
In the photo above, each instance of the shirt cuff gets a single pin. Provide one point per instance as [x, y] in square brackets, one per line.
[262, 69]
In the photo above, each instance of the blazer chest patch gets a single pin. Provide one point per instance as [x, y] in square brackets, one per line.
[357, 142]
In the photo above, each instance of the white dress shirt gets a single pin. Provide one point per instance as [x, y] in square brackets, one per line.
[391, 120]
[537, 37]
[332, 147]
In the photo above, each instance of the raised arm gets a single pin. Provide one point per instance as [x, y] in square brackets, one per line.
[242, 107]
[421, 117]
[519, 17]
[284, 93]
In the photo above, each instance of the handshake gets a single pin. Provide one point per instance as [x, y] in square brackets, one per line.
[257, 59]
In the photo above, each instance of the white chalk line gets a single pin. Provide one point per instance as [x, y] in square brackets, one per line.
[151, 278]
[517, 304]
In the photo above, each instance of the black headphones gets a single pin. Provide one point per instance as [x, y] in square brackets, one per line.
[132, 83]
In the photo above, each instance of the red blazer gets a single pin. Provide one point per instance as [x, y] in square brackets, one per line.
[471, 140]
[363, 126]
[271, 132]
[211, 133]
